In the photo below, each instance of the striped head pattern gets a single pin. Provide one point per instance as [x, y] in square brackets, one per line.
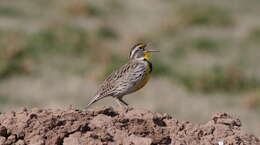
[139, 52]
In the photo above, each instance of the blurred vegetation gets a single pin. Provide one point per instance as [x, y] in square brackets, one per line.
[58, 39]
[9, 11]
[17, 48]
[86, 29]
[199, 44]
[13, 53]
[203, 14]
[219, 79]
[106, 32]
[254, 35]
[205, 44]
[83, 8]
[160, 68]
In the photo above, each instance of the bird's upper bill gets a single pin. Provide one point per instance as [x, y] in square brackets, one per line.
[147, 53]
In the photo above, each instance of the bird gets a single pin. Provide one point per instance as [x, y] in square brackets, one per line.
[129, 78]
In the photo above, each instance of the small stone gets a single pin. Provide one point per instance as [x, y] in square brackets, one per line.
[20, 142]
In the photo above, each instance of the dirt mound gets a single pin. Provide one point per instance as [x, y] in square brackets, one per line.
[105, 126]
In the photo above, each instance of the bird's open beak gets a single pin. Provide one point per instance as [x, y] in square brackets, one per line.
[148, 52]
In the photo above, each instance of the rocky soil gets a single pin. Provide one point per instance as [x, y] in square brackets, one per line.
[106, 126]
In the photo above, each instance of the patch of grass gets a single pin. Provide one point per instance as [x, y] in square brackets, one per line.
[180, 49]
[116, 7]
[58, 39]
[219, 79]
[13, 65]
[93, 10]
[205, 44]
[17, 49]
[178, 52]
[9, 11]
[83, 8]
[201, 44]
[254, 35]
[252, 39]
[160, 68]
[13, 53]
[106, 32]
[204, 14]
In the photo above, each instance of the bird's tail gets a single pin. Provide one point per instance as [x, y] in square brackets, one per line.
[93, 100]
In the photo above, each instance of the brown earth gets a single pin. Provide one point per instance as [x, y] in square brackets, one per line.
[106, 126]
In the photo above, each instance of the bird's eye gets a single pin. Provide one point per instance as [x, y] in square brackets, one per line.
[141, 48]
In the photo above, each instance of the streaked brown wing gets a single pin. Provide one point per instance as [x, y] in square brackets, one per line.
[121, 80]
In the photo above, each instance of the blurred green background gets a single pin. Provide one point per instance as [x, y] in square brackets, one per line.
[54, 54]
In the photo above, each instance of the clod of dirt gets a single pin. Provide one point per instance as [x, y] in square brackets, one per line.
[106, 126]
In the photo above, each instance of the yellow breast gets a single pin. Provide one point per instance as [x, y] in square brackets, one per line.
[143, 82]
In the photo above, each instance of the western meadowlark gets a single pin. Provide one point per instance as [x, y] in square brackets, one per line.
[127, 79]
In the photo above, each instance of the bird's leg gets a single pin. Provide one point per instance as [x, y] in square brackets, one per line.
[121, 99]
[118, 102]
[122, 104]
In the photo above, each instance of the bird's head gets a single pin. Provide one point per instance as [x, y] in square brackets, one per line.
[139, 52]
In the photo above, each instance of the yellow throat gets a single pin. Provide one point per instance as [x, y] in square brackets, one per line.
[147, 55]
